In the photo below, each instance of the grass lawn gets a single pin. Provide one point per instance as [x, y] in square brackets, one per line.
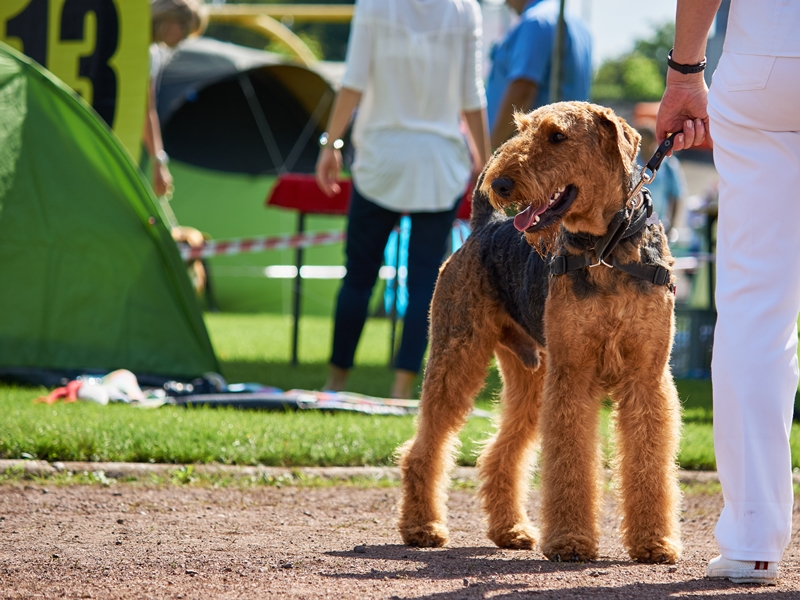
[257, 348]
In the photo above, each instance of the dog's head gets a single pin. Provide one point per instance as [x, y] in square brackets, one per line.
[568, 165]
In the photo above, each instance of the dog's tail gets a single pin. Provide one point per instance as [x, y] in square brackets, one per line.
[482, 209]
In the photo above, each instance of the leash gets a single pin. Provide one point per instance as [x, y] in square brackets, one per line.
[628, 221]
[650, 170]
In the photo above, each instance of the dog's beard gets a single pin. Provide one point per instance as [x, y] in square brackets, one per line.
[543, 241]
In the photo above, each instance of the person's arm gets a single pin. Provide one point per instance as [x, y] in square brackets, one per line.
[519, 95]
[479, 138]
[162, 178]
[329, 161]
[684, 104]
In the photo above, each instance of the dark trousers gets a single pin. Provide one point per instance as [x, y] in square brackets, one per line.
[368, 230]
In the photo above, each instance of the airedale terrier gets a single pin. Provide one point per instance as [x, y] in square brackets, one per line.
[577, 308]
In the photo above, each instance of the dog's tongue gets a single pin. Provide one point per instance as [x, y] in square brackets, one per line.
[525, 219]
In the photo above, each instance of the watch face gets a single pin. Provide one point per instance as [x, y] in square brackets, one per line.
[323, 139]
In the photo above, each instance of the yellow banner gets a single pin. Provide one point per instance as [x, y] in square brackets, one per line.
[97, 47]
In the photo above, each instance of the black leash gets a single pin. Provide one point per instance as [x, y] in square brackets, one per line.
[628, 221]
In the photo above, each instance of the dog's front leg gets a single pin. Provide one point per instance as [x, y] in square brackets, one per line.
[570, 462]
[648, 433]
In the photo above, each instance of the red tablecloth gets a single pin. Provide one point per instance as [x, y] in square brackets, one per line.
[299, 191]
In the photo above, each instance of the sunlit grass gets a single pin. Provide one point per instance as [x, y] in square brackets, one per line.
[256, 347]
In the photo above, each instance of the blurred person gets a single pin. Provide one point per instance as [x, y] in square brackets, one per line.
[669, 188]
[413, 72]
[519, 79]
[752, 115]
[172, 22]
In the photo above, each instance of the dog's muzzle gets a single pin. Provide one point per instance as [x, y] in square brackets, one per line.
[503, 186]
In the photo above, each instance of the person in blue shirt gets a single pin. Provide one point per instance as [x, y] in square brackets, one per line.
[520, 74]
[669, 187]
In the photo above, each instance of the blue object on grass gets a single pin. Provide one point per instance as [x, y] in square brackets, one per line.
[390, 259]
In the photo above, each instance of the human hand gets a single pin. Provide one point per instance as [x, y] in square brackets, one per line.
[684, 108]
[329, 165]
[162, 180]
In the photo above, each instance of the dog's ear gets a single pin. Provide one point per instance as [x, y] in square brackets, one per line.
[617, 137]
[522, 120]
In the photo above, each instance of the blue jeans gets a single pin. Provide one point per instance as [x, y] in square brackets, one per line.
[368, 230]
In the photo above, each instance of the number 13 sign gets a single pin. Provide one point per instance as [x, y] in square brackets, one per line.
[97, 47]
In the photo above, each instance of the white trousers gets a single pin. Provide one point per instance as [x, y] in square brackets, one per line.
[754, 110]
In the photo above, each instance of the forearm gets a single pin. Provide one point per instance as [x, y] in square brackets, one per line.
[479, 134]
[329, 161]
[152, 131]
[519, 95]
[683, 107]
[693, 20]
[344, 106]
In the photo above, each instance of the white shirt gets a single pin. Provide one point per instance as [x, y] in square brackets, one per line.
[417, 63]
[764, 27]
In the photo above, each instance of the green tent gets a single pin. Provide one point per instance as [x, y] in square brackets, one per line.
[90, 279]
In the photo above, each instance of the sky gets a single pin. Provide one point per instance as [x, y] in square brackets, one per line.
[615, 24]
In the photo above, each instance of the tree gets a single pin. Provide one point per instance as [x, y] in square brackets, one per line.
[639, 75]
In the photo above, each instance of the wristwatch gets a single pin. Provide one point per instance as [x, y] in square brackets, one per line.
[161, 157]
[324, 141]
[686, 69]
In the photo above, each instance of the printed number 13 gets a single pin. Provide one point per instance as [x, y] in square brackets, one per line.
[31, 24]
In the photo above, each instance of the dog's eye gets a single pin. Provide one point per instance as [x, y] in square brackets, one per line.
[557, 137]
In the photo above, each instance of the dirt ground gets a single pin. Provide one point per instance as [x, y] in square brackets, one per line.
[170, 541]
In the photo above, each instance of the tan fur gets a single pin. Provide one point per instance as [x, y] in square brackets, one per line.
[613, 342]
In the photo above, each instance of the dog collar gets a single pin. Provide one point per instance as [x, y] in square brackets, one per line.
[628, 221]
[623, 226]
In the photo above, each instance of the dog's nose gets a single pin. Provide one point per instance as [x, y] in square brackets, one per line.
[503, 186]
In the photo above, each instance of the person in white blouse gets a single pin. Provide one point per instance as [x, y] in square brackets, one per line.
[413, 73]
[751, 114]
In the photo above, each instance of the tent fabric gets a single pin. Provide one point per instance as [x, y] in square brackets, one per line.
[229, 108]
[198, 63]
[91, 279]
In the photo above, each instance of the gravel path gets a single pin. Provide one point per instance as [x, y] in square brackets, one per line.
[339, 541]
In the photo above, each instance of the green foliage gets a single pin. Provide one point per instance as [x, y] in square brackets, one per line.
[634, 78]
[639, 75]
[658, 46]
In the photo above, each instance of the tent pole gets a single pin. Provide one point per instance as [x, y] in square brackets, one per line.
[261, 122]
[558, 52]
[298, 262]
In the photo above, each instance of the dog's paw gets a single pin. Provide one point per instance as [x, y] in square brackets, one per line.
[570, 549]
[663, 551]
[520, 537]
[429, 535]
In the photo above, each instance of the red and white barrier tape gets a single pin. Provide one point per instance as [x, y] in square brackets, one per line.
[260, 244]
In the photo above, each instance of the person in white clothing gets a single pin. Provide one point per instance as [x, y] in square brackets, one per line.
[413, 72]
[751, 115]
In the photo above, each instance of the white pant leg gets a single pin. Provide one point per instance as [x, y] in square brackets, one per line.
[754, 106]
